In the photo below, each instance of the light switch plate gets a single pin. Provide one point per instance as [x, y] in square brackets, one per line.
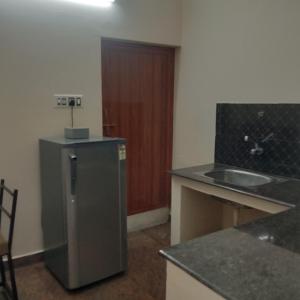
[63, 100]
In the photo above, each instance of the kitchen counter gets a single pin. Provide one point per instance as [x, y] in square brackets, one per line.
[259, 260]
[286, 192]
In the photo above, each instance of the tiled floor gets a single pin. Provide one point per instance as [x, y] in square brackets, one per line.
[145, 279]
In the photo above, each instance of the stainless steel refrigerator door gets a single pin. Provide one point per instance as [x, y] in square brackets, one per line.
[96, 213]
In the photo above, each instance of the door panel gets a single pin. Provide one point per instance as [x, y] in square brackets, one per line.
[137, 89]
[98, 212]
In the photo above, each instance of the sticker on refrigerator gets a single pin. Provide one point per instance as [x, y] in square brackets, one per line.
[122, 152]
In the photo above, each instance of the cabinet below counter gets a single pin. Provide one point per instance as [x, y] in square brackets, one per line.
[181, 285]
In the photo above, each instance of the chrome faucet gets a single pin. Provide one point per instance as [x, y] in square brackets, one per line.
[258, 149]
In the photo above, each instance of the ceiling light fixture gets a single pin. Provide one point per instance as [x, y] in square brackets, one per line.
[98, 3]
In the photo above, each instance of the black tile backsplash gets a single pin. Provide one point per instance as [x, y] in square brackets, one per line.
[281, 154]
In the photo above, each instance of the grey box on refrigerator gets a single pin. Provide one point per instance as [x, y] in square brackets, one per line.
[84, 217]
[77, 133]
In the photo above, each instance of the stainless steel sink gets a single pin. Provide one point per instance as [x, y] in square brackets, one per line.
[238, 177]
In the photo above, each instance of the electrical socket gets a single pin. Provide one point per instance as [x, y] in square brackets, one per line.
[62, 101]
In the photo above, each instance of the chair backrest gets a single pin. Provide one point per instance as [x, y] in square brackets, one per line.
[10, 214]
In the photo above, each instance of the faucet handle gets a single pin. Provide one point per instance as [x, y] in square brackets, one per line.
[246, 138]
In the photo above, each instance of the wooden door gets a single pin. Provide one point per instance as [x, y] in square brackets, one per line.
[137, 91]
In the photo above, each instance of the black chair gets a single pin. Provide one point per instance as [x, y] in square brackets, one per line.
[6, 244]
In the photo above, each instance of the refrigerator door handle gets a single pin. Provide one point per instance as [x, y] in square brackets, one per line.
[73, 175]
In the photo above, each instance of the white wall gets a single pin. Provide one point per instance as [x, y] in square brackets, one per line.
[232, 51]
[50, 47]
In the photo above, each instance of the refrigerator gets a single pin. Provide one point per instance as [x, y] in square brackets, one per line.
[84, 218]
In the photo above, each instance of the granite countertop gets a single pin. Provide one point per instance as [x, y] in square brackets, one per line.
[285, 191]
[259, 260]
